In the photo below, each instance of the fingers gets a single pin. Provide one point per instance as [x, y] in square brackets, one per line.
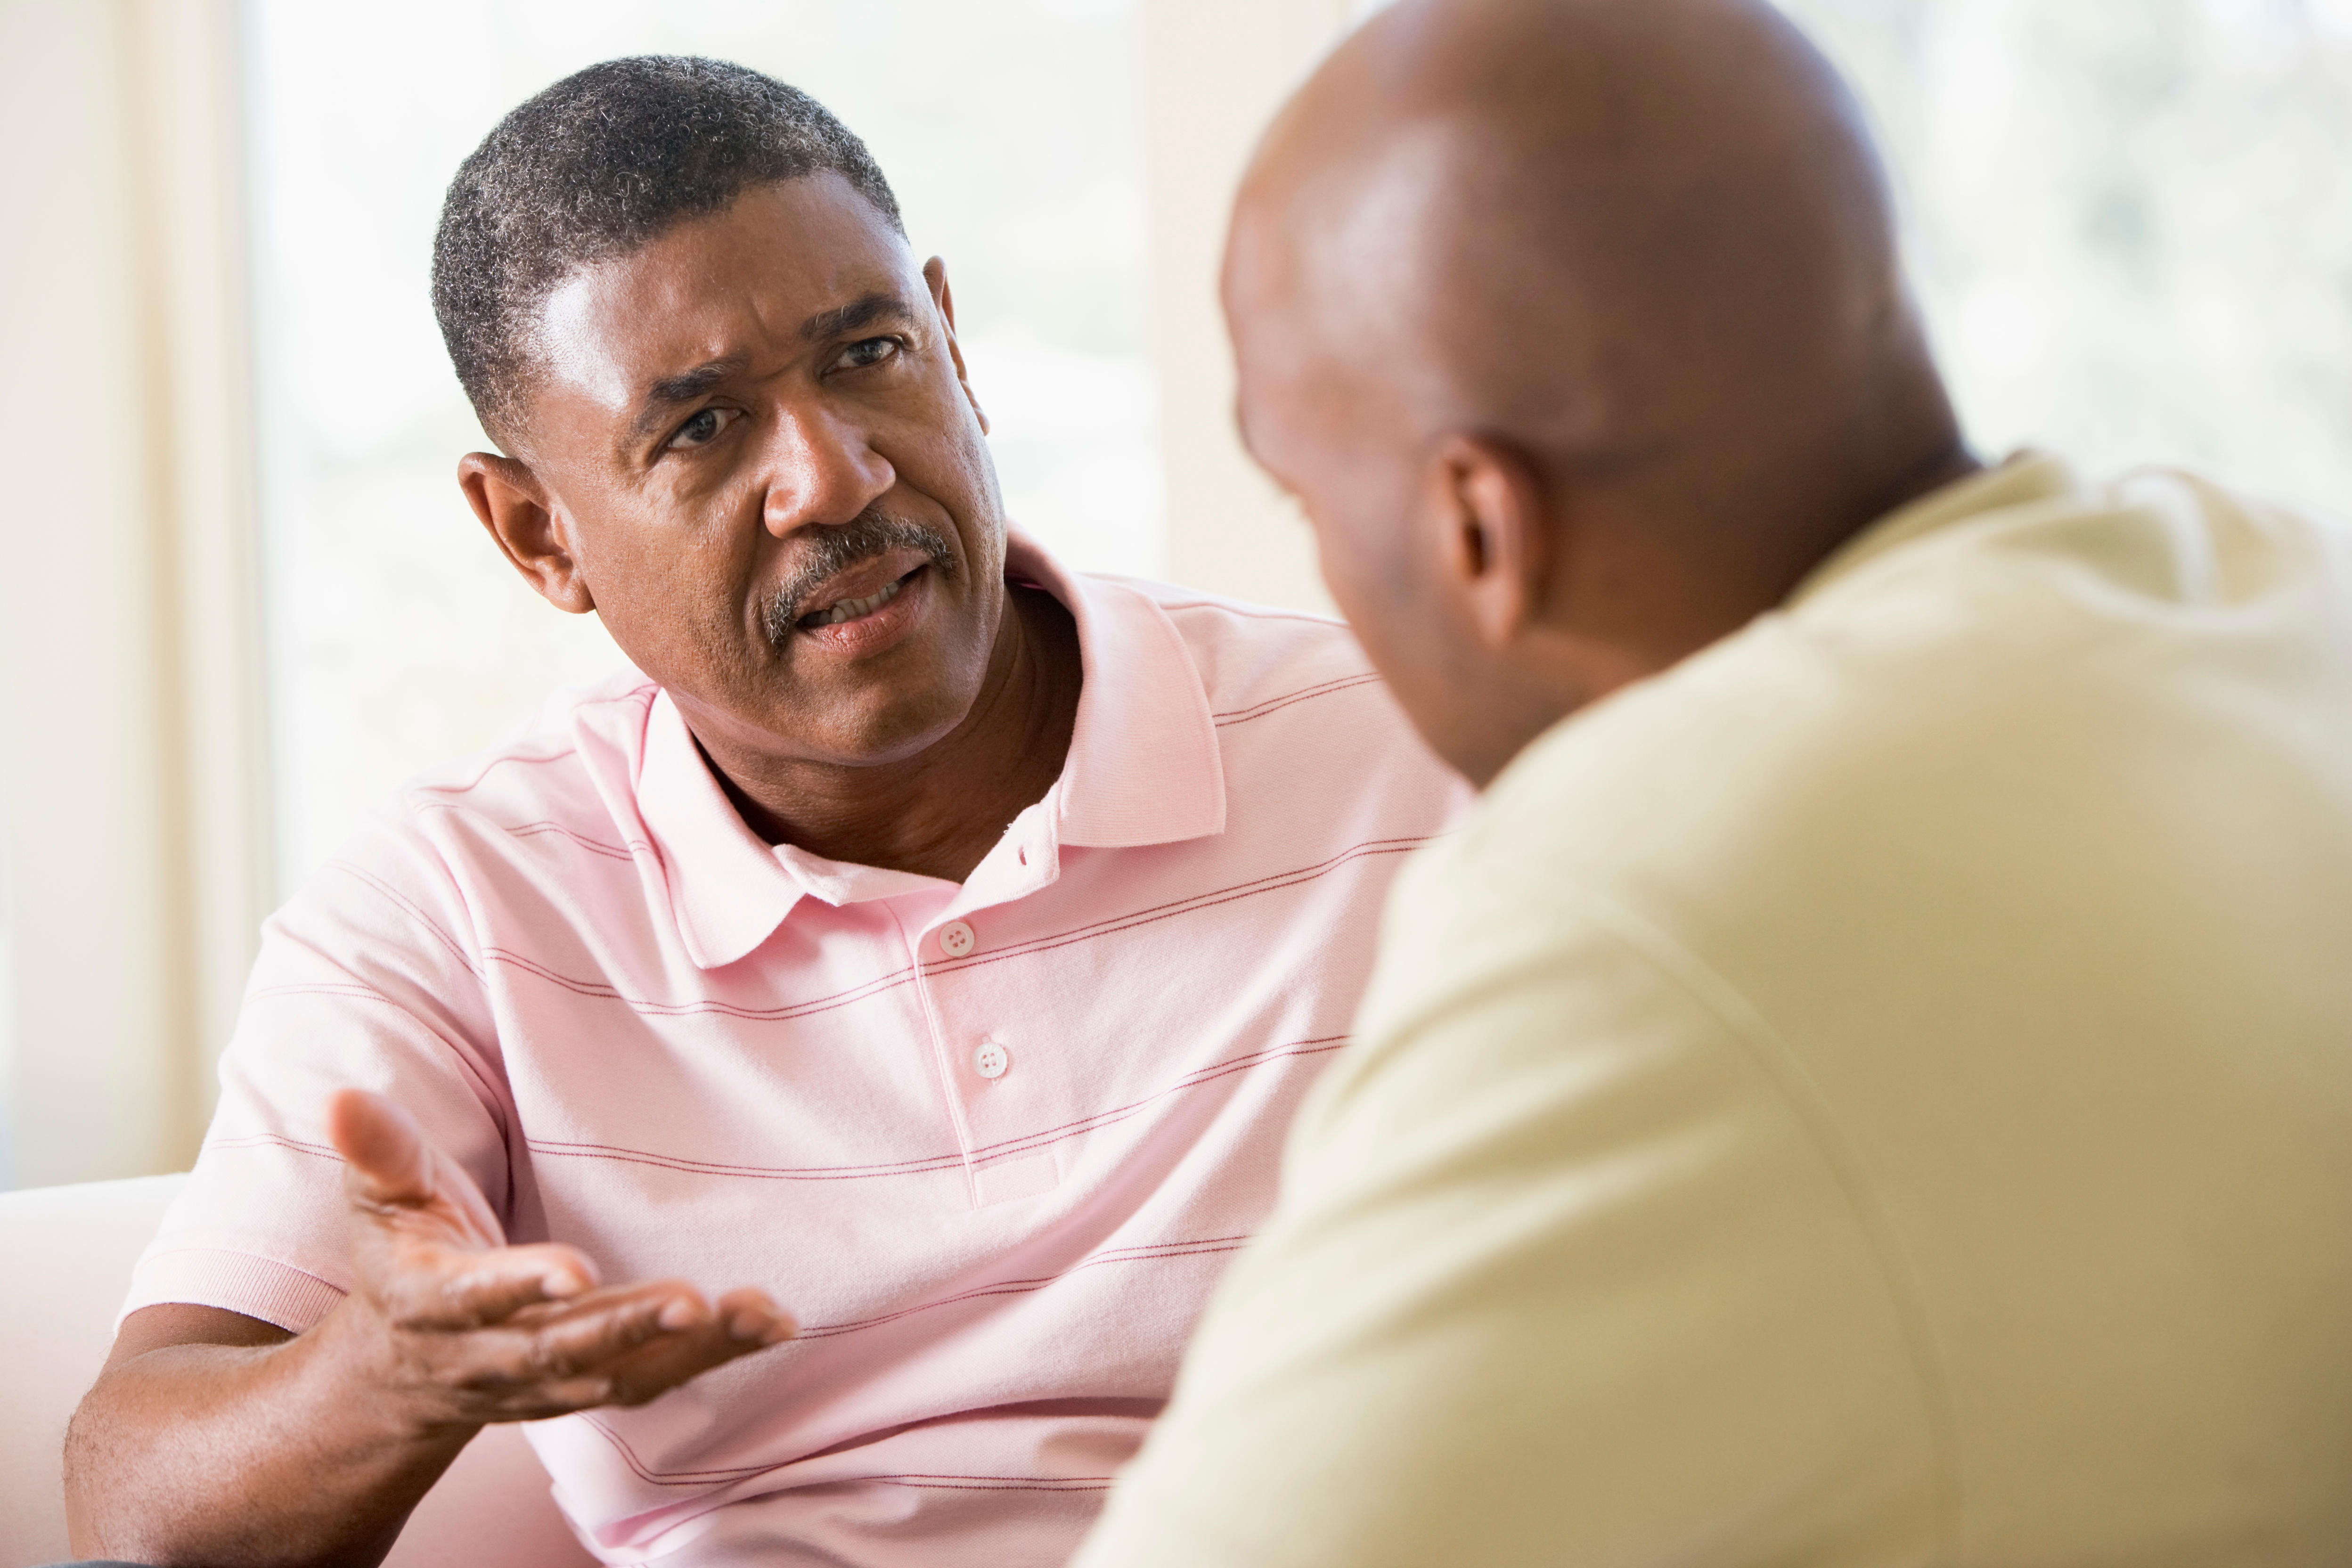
[660, 1363]
[582, 1338]
[380, 1145]
[391, 1171]
[439, 1288]
[581, 1335]
[753, 1315]
[615, 1347]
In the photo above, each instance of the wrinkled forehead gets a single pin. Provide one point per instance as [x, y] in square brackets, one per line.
[743, 283]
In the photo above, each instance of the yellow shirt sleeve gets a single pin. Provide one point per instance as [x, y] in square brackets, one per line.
[1564, 1273]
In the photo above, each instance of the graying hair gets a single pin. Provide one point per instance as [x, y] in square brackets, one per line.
[598, 166]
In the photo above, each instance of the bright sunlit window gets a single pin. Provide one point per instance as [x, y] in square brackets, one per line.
[2129, 221]
[1013, 134]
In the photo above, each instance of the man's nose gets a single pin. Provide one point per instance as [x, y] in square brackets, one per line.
[821, 470]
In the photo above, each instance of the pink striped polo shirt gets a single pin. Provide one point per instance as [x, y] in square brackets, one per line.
[991, 1143]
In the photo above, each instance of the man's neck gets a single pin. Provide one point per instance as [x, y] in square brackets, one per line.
[1560, 667]
[938, 813]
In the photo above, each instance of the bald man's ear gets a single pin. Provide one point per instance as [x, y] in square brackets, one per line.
[1498, 544]
[521, 516]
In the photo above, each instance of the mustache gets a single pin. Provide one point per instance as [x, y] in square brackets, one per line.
[833, 547]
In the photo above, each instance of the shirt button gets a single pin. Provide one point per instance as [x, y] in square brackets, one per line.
[956, 938]
[991, 1060]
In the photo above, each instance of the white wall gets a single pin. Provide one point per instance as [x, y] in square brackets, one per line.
[1215, 70]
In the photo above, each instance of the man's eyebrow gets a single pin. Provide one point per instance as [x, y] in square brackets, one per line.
[857, 314]
[673, 390]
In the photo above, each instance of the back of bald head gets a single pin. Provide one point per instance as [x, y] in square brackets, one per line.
[1648, 241]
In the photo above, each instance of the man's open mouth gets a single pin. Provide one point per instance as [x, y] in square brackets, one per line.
[842, 575]
[842, 610]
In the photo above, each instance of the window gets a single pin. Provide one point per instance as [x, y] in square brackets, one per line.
[2127, 221]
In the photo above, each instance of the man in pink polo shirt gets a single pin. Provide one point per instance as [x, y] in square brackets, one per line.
[899, 992]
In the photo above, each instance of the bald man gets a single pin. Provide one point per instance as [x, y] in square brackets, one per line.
[1872, 1083]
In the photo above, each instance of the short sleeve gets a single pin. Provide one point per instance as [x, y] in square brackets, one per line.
[364, 980]
[1563, 1273]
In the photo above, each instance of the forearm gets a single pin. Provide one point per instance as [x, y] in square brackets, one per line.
[251, 1457]
[211, 1439]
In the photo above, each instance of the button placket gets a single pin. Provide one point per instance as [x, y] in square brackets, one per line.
[985, 1060]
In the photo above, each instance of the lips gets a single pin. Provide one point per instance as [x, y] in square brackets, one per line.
[858, 589]
[851, 610]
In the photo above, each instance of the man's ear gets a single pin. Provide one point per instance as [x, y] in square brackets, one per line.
[1498, 547]
[935, 273]
[521, 516]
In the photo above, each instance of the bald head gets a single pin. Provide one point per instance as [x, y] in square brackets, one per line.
[1623, 269]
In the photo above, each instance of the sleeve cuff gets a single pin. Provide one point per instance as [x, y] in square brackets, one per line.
[235, 1282]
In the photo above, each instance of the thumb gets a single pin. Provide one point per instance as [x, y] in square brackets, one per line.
[383, 1147]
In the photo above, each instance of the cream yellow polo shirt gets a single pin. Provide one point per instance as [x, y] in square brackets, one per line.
[1879, 1093]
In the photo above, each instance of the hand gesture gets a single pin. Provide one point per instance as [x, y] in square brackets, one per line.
[466, 1330]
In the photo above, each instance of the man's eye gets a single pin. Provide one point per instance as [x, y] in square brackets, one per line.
[867, 351]
[703, 429]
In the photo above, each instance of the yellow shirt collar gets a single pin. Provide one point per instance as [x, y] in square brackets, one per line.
[2024, 478]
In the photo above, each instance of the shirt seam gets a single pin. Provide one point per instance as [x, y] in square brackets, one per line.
[494, 1095]
[357, 990]
[407, 906]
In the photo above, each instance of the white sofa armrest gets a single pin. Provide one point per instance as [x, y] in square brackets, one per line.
[69, 1253]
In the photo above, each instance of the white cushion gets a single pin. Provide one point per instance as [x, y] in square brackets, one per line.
[69, 1251]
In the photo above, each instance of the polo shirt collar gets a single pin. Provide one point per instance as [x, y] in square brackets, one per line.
[2027, 479]
[1143, 768]
[727, 888]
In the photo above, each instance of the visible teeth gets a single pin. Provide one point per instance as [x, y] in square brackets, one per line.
[850, 609]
